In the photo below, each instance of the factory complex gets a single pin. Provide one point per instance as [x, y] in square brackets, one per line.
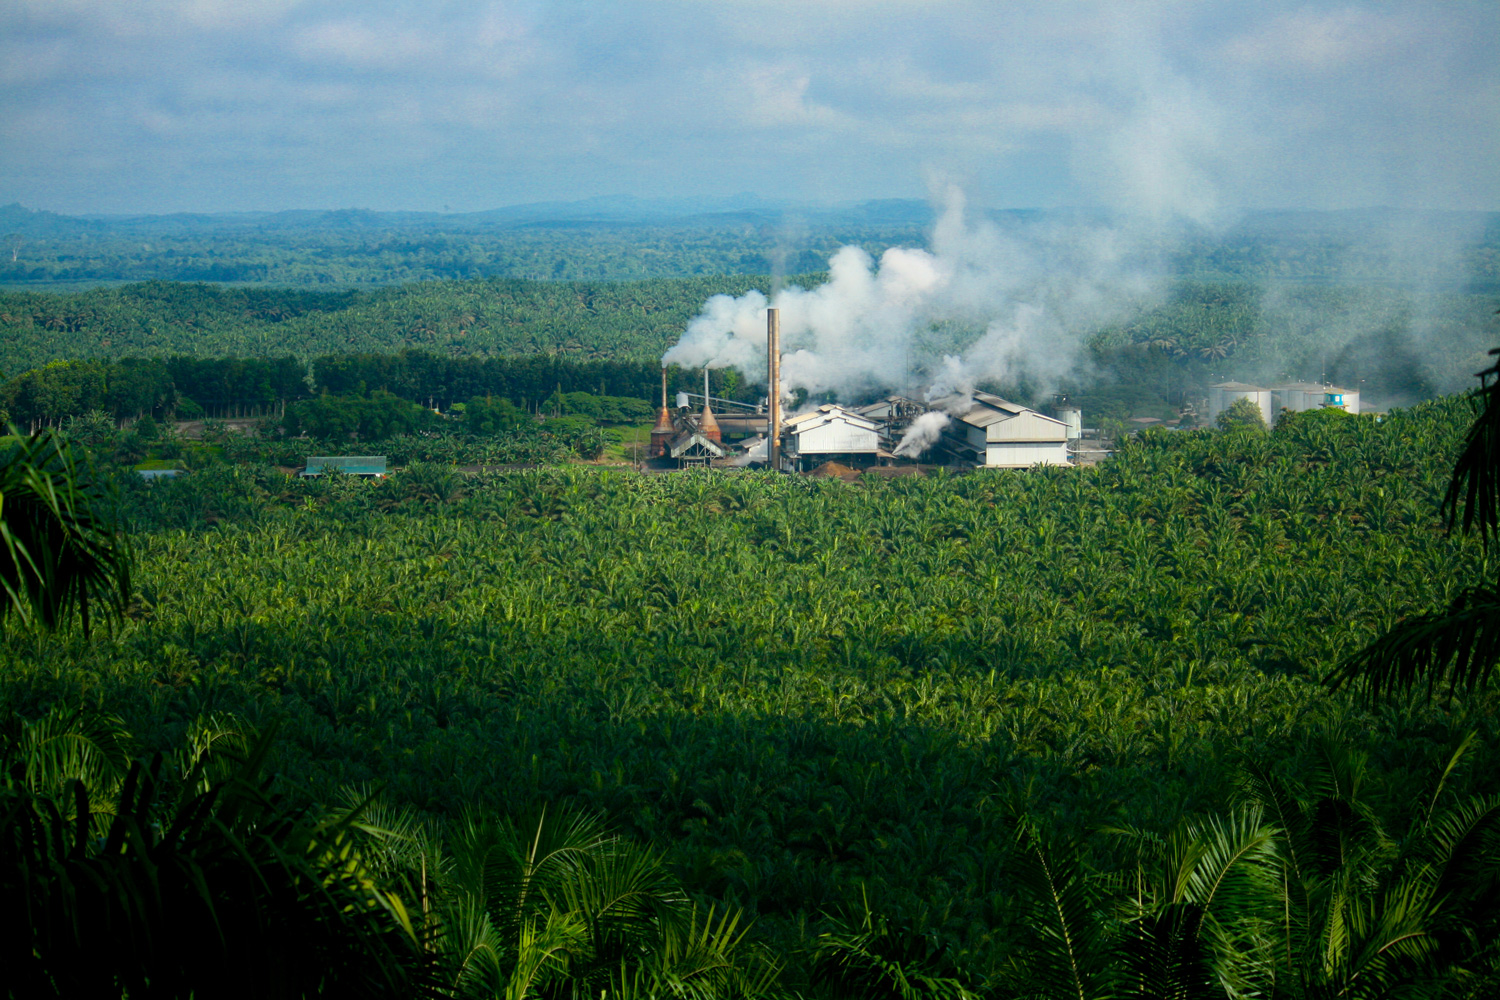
[980, 430]
[973, 430]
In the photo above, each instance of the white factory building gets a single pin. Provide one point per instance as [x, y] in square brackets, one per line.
[996, 433]
[827, 433]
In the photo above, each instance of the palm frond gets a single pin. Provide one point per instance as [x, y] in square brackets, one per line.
[1475, 486]
[864, 956]
[59, 551]
[1391, 941]
[1454, 760]
[1460, 647]
[543, 948]
[623, 893]
[1069, 959]
[70, 744]
[1462, 843]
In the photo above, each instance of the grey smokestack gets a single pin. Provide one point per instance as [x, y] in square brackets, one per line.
[773, 388]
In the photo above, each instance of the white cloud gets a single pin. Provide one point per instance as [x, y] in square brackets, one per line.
[1320, 41]
[1164, 108]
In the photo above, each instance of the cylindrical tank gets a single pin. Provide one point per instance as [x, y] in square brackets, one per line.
[1073, 417]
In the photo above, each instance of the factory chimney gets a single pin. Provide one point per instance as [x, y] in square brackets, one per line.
[773, 388]
[662, 432]
[708, 426]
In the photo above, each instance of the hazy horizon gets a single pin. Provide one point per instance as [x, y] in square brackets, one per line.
[1169, 110]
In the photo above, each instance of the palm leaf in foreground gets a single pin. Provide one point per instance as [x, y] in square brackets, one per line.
[1070, 957]
[228, 892]
[58, 549]
[1475, 485]
[1460, 646]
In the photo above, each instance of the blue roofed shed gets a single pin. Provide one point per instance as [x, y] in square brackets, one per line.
[349, 465]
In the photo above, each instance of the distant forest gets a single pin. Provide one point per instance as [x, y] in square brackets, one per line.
[1279, 296]
[1395, 345]
[623, 240]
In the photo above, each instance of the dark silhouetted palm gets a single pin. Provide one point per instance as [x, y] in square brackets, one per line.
[1459, 647]
[148, 880]
[59, 551]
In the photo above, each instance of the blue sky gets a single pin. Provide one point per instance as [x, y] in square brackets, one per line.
[1177, 109]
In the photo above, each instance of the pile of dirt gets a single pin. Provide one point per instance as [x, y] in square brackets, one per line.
[835, 469]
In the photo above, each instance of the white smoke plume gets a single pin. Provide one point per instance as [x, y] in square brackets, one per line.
[1019, 302]
[922, 434]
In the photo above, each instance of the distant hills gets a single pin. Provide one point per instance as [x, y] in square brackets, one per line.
[622, 210]
[625, 210]
[625, 238]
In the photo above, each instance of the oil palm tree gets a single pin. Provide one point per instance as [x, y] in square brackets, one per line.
[1460, 646]
[204, 883]
[59, 550]
[561, 908]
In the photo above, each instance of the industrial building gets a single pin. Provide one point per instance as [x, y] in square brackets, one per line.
[692, 448]
[831, 433]
[368, 466]
[995, 433]
[978, 429]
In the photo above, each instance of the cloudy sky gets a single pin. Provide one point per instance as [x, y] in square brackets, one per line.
[1177, 108]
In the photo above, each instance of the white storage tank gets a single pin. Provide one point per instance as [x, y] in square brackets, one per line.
[1073, 417]
[1295, 397]
[1224, 395]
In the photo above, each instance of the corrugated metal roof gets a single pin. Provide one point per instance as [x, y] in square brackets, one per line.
[354, 465]
[983, 416]
[999, 403]
[685, 441]
[827, 414]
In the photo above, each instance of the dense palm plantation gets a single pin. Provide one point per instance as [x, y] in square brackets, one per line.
[1059, 733]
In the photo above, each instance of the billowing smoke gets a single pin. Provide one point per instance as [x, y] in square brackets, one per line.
[981, 305]
[922, 434]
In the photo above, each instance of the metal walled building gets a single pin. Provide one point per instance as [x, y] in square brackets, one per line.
[1224, 395]
[996, 433]
[692, 449]
[370, 466]
[1298, 396]
[830, 431]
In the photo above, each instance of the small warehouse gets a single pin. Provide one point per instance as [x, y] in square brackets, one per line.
[995, 433]
[370, 466]
[694, 449]
[830, 432]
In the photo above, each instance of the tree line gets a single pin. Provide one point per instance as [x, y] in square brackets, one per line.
[1390, 342]
[187, 388]
[476, 318]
